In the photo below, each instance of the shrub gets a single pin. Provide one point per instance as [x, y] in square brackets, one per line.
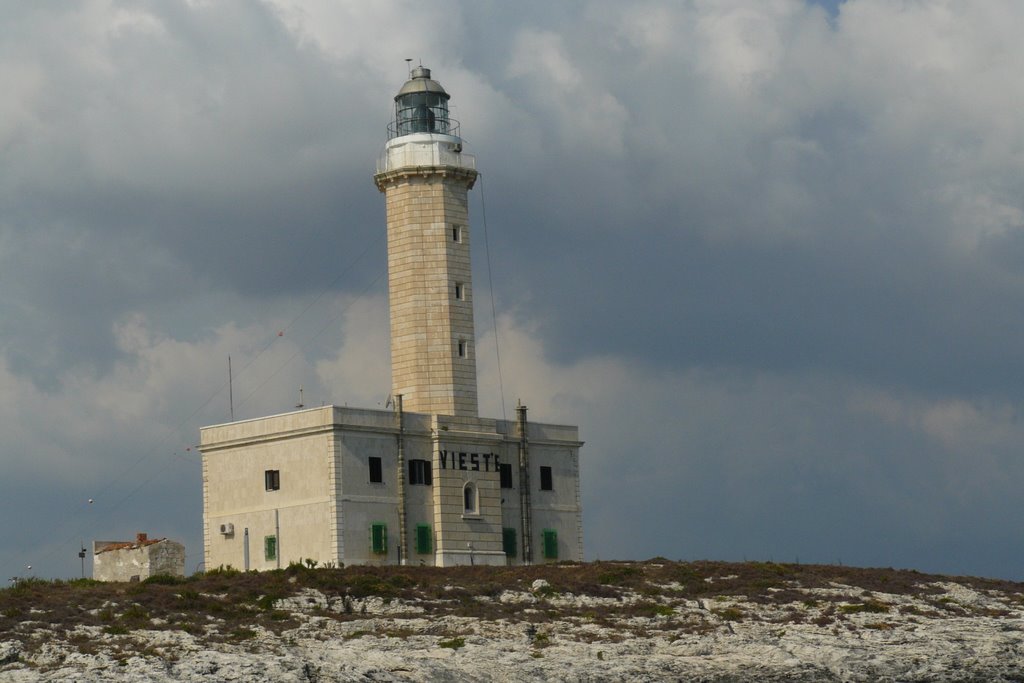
[617, 575]
[189, 599]
[164, 580]
[358, 634]
[647, 608]
[135, 613]
[730, 613]
[869, 606]
[267, 602]
[454, 643]
[223, 570]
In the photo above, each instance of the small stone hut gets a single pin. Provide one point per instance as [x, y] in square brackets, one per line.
[137, 560]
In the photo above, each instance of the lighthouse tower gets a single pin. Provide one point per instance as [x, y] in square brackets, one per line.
[431, 482]
[425, 178]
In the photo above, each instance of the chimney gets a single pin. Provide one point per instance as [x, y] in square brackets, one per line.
[141, 538]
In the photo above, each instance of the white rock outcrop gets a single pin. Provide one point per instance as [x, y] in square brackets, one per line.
[839, 633]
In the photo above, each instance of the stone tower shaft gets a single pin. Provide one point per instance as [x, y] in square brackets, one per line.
[425, 179]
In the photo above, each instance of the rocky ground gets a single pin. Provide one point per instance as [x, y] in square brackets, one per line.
[654, 621]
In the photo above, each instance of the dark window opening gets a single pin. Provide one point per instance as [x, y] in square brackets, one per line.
[420, 472]
[505, 470]
[272, 479]
[462, 349]
[376, 471]
[545, 479]
[469, 498]
[460, 291]
[456, 233]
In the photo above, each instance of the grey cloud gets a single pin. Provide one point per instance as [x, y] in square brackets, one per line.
[822, 202]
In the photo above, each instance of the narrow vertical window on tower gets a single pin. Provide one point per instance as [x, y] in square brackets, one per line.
[460, 291]
[456, 233]
[469, 498]
[463, 348]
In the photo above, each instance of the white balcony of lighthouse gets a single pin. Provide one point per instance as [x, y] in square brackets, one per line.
[424, 150]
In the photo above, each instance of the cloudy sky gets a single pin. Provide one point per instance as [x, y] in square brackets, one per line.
[768, 254]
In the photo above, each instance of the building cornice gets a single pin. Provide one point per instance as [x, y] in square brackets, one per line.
[413, 172]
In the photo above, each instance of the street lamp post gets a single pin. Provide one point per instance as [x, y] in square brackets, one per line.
[81, 556]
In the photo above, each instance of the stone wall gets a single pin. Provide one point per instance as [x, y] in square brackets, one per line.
[126, 561]
[326, 507]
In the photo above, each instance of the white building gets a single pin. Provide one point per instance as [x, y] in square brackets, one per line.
[429, 482]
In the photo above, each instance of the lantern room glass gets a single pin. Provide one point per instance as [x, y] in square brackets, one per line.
[422, 112]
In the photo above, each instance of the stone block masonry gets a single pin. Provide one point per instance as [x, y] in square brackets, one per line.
[433, 356]
[137, 560]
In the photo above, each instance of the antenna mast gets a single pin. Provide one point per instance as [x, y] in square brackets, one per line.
[231, 391]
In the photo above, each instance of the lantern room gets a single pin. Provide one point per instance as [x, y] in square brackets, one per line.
[421, 106]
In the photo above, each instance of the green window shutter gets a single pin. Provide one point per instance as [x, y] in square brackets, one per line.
[508, 542]
[379, 538]
[423, 538]
[270, 548]
[550, 544]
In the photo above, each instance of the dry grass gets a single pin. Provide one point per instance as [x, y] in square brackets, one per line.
[241, 603]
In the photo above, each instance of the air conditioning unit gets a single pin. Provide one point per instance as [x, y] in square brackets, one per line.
[227, 529]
